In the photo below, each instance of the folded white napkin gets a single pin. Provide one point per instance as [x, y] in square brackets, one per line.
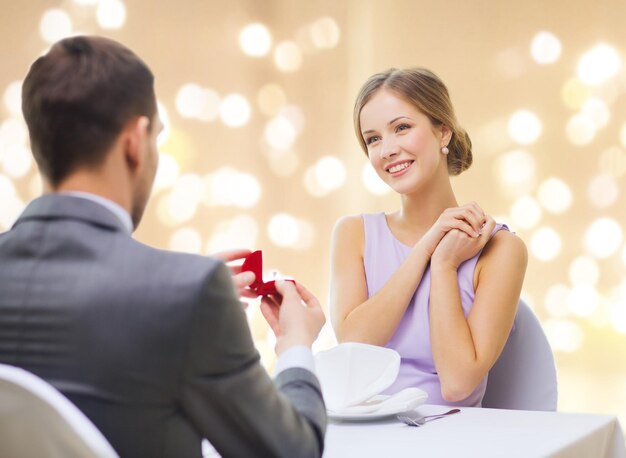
[351, 373]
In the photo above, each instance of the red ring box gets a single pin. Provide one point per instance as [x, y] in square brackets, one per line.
[254, 263]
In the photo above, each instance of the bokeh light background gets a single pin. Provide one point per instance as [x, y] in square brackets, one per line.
[259, 149]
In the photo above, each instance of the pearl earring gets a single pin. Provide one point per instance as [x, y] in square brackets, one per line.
[445, 150]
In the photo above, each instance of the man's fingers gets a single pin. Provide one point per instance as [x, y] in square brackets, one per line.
[270, 313]
[243, 279]
[285, 288]
[309, 299]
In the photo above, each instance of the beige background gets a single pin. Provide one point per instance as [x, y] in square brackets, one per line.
[481, 49]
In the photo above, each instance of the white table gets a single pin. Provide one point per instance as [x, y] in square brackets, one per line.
[480, 433]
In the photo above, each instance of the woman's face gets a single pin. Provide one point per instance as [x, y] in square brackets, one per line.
[402, 144]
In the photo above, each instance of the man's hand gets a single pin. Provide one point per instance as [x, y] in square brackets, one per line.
[242, 280]
[295, 316]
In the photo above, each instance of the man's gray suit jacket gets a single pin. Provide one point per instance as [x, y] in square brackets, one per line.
[153, 346]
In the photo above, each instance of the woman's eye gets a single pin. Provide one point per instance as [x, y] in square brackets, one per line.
[402, 127]
[372, 139]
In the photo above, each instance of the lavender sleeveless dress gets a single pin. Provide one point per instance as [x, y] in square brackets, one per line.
[383, 255]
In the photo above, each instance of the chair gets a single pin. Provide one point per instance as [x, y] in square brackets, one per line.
[36, 420]
[524, 376]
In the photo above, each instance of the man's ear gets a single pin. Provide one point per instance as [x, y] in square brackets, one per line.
[136, 135]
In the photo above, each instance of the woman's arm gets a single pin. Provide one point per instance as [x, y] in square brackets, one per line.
[464, 350]
[354, 317]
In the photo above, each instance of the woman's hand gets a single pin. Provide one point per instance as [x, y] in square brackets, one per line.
[467, 219]
[456, 246]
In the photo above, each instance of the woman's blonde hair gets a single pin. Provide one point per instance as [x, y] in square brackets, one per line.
[428, 94]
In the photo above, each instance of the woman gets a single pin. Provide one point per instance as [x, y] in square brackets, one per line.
[436, 281]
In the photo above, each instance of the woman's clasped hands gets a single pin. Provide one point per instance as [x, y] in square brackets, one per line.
[458, 234]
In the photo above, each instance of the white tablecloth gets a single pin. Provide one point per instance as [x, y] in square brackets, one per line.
[480, 433]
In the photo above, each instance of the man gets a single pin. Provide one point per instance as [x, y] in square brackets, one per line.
[152, 346]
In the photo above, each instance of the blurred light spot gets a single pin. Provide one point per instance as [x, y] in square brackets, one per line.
[580, 129]
[165, 120]
[603, 191]
[287, 56]
[325, 33]
[597, 110]
[280, 133]
[239, 232]
[283, 230]
[16, 160]
[325, 176]
[516, 171]
[194, 101]
[186, 239]
[598, 64]
[603, 238]
[229, 187]
[181, 203]
[583, 300]
[555, 195]
[271, 98]
[13, 131]
[373, 183]
[545, 48]
[255, 40]
[526, 212]
[235, 110]
[556, 301]
[613, 162]
[86, 2]
[13, 98]
[574, 93]
[294, 114]
[7, 188]
[55, 24]
[111, 14]
[167, 172]
[12, 207]
[545, 244]
[283, 163]
[564, 335]
[330, 172]
[584, 271]
[524, 127]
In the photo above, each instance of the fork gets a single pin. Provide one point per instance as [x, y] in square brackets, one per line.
[421, 421]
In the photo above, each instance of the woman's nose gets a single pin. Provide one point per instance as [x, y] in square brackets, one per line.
[388, 149]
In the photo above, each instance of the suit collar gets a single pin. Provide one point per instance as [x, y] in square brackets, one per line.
[58, 206]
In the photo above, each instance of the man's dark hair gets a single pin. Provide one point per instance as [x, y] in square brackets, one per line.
[77, 98]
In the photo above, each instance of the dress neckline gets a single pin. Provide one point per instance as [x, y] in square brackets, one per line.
[395, 239]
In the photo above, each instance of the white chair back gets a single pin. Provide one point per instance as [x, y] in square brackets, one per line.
[36, 420]
[524, 376]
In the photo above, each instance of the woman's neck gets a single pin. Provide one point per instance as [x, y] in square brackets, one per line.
[419, 211]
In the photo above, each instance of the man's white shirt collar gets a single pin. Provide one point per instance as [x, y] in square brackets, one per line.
[114, 208]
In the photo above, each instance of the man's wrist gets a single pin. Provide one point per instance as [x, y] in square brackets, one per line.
[284, 343]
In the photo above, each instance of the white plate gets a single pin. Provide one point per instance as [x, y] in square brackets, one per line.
[408, 400]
